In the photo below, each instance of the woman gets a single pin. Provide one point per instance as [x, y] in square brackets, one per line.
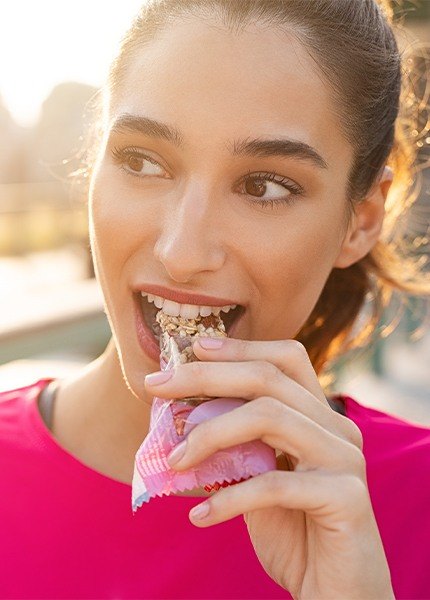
[247, 150]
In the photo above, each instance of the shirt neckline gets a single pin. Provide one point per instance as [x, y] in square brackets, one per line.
[43, 437]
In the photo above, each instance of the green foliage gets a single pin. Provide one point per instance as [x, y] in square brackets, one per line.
[412, 10]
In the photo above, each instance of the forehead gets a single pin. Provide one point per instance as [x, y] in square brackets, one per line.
[216, 84]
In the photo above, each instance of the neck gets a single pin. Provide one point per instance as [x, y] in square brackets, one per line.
[99, 420]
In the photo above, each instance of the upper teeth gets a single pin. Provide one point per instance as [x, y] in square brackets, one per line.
[188, 311]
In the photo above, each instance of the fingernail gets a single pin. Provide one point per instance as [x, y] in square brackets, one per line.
[159, 377]
[210, 343]
[200, 511]
[177, 453]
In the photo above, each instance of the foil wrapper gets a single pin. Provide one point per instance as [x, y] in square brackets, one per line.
[172, 420]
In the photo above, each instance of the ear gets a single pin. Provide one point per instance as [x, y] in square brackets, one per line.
[365, 226]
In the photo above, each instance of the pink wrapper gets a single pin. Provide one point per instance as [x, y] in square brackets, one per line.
[170, 423]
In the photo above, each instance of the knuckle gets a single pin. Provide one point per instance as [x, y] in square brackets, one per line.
[354, 488]
[348, 493]
[195, 374]
[297, 350]
[350, 460]
[240, 349]
[275, 482]
[195, 369]
[357, 460]
[265, 373]
[266, 406]
[352, 432]
[298, 357]
[356, 436]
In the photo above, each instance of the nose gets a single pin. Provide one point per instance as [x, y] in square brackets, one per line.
[190, 240]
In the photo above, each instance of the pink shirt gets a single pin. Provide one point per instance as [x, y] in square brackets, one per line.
[67, 531]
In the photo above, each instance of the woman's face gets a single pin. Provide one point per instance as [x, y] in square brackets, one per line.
[239, 195]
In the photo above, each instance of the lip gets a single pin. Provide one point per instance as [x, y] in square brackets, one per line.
[184, 297]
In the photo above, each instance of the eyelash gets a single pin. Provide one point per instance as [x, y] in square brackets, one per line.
[120, 155]
[295, 189]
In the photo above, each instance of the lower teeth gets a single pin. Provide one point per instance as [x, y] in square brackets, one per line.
[156, 330]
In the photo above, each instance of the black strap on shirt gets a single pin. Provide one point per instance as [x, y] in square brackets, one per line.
[337, 404]
[46, 402]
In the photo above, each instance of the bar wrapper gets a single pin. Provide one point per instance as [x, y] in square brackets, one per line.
[172, 420]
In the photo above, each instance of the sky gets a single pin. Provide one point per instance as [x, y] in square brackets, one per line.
[44, 42]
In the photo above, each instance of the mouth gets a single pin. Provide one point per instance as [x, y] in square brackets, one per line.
[147, 307]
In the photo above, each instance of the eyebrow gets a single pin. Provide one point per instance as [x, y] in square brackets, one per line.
[284, 147]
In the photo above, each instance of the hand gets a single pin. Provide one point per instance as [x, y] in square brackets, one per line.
[310, 521]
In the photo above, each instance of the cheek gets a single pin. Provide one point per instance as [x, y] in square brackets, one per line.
[104, 231]
[298, 272]
[118, 226]
[296, 253]
[111, 239]
[291, 275]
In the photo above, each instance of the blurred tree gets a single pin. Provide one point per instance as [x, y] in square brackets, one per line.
[57, 137]
[12, 138]
[419, 10]
[412, 10]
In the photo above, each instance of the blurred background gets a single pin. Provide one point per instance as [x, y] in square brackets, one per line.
[55, 56]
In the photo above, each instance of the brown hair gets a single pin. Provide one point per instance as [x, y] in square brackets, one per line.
[354, 45]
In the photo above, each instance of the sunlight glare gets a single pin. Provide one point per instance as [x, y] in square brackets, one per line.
[49, 41]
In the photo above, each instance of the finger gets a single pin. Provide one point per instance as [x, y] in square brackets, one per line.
[289, 356]
[249, 380]
[292, 359]
[331, 499]
[277, 425]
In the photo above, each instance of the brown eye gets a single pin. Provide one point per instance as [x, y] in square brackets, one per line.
[255, 187]
[270, 189]
[143, 166]
[135, 163]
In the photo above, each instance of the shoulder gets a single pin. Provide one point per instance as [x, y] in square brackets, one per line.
[17, 394]
[15, 404]
[389, 438]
